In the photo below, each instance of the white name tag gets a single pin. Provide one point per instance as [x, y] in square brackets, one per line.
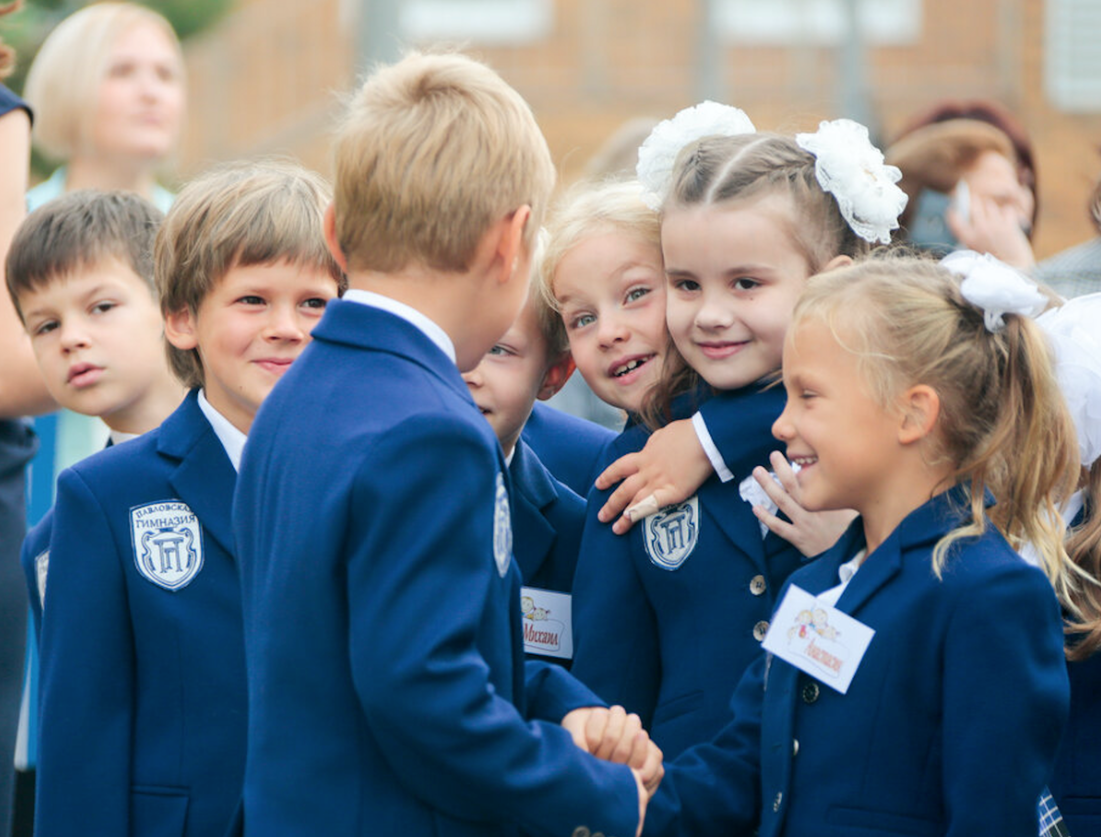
[547, 622]
[818, 639]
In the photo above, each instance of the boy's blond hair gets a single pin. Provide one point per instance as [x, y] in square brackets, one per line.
[551, 327]
[63, 81]
[433, 150]
[237, 215]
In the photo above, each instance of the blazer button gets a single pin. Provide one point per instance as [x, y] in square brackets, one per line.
[810, 692]
[795, 746]
[776, 802]
[759, 630]
[758, 585]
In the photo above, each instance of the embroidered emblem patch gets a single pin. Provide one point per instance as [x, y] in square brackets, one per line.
[502, 528]
[41, 565]
[670, 535]
[168, 543]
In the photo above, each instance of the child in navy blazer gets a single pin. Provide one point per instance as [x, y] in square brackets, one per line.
[909, 393]
[532, 361]
[668, 617]
[143, 679]
[388, 692]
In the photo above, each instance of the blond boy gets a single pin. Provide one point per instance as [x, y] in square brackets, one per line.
[382, 607]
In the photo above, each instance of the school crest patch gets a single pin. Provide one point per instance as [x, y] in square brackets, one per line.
[670, 535]
[502, 528]
[41, 566]
[168, 543]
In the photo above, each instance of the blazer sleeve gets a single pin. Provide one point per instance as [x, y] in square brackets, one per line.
[552, 692]
[616, 652]
[715, 787]
[1005, 703]
[83, 781]
[733, 431]
[423, 683]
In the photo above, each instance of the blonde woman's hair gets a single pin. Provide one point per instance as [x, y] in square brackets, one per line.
[63, 81]
[1002, 424]
[432, 151]
[719, 170]
[236, 215]
[1084, 548]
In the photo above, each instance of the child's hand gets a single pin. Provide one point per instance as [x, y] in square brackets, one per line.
[670, 469]
[812, 533]
[616, 736]
[643, 799]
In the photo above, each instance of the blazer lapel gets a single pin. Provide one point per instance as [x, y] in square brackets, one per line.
[533, 535]
[204, 477]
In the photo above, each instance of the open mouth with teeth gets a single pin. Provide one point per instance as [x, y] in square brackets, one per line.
[631, 366]
[802, 462]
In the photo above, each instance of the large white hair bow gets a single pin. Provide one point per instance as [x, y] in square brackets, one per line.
[1074, 331]
[995, 287]
[659, 150]
[851, 169]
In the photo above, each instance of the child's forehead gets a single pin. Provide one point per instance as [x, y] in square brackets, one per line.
[89, 276]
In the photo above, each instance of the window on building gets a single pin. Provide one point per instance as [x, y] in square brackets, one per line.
[1072, 58]
[825, 22]
[477, 21]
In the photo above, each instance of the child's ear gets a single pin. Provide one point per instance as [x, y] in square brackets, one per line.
[331, 238]
[556, 376]
[837, 261]
[920, 410]
[179, 329]
[511, 243]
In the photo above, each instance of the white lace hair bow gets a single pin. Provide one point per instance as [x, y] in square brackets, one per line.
[659, 150]
[1074, 334]
[851, 169]
[995, 287]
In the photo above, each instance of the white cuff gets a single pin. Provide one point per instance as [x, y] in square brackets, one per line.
[713, 455]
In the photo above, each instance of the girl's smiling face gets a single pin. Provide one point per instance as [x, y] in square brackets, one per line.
[611, 292]
[734, 273]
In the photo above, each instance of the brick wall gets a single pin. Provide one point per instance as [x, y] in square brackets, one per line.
[266, 81]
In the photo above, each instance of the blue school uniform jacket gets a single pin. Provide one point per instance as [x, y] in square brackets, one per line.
[667, 617]
[143, 680]
[949, 726]
[547, 520]
[388, 692]
[1076, 781]
[568, 446]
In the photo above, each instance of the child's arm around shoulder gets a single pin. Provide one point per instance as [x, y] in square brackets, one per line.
[87, 684]
[428, 581]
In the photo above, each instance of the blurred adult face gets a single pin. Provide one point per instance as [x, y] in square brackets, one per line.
[141, 98]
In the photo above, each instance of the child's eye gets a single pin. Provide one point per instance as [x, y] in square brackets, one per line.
[317, 303]
[500, 351]
[45, 327]
[251, 299]
[120, 70]
[807, 395]
[746, 284]
[582, 320]
[635, 294]
[103, 307]
[686, 285]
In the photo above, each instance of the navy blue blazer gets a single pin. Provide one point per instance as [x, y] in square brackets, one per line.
[547, 520]
[568, 446]
[143, 679]
[669, 635]
[34, 558]
[387, 686]
[949, 726]
[1076, 781]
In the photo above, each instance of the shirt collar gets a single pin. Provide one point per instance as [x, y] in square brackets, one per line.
[408, 313]
[118, 437]
[232, 439]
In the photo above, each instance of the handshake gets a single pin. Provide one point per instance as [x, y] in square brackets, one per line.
[615, 736]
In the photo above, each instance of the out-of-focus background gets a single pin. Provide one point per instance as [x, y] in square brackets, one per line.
[264, 76]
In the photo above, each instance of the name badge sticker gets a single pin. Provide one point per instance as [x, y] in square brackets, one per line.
[818, 639]
[548, 623]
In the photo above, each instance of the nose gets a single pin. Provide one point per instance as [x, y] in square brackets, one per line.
[611, 330]
[713, 313]
[73, 336]
[782, 428]
[285, 324]
[473, 378]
